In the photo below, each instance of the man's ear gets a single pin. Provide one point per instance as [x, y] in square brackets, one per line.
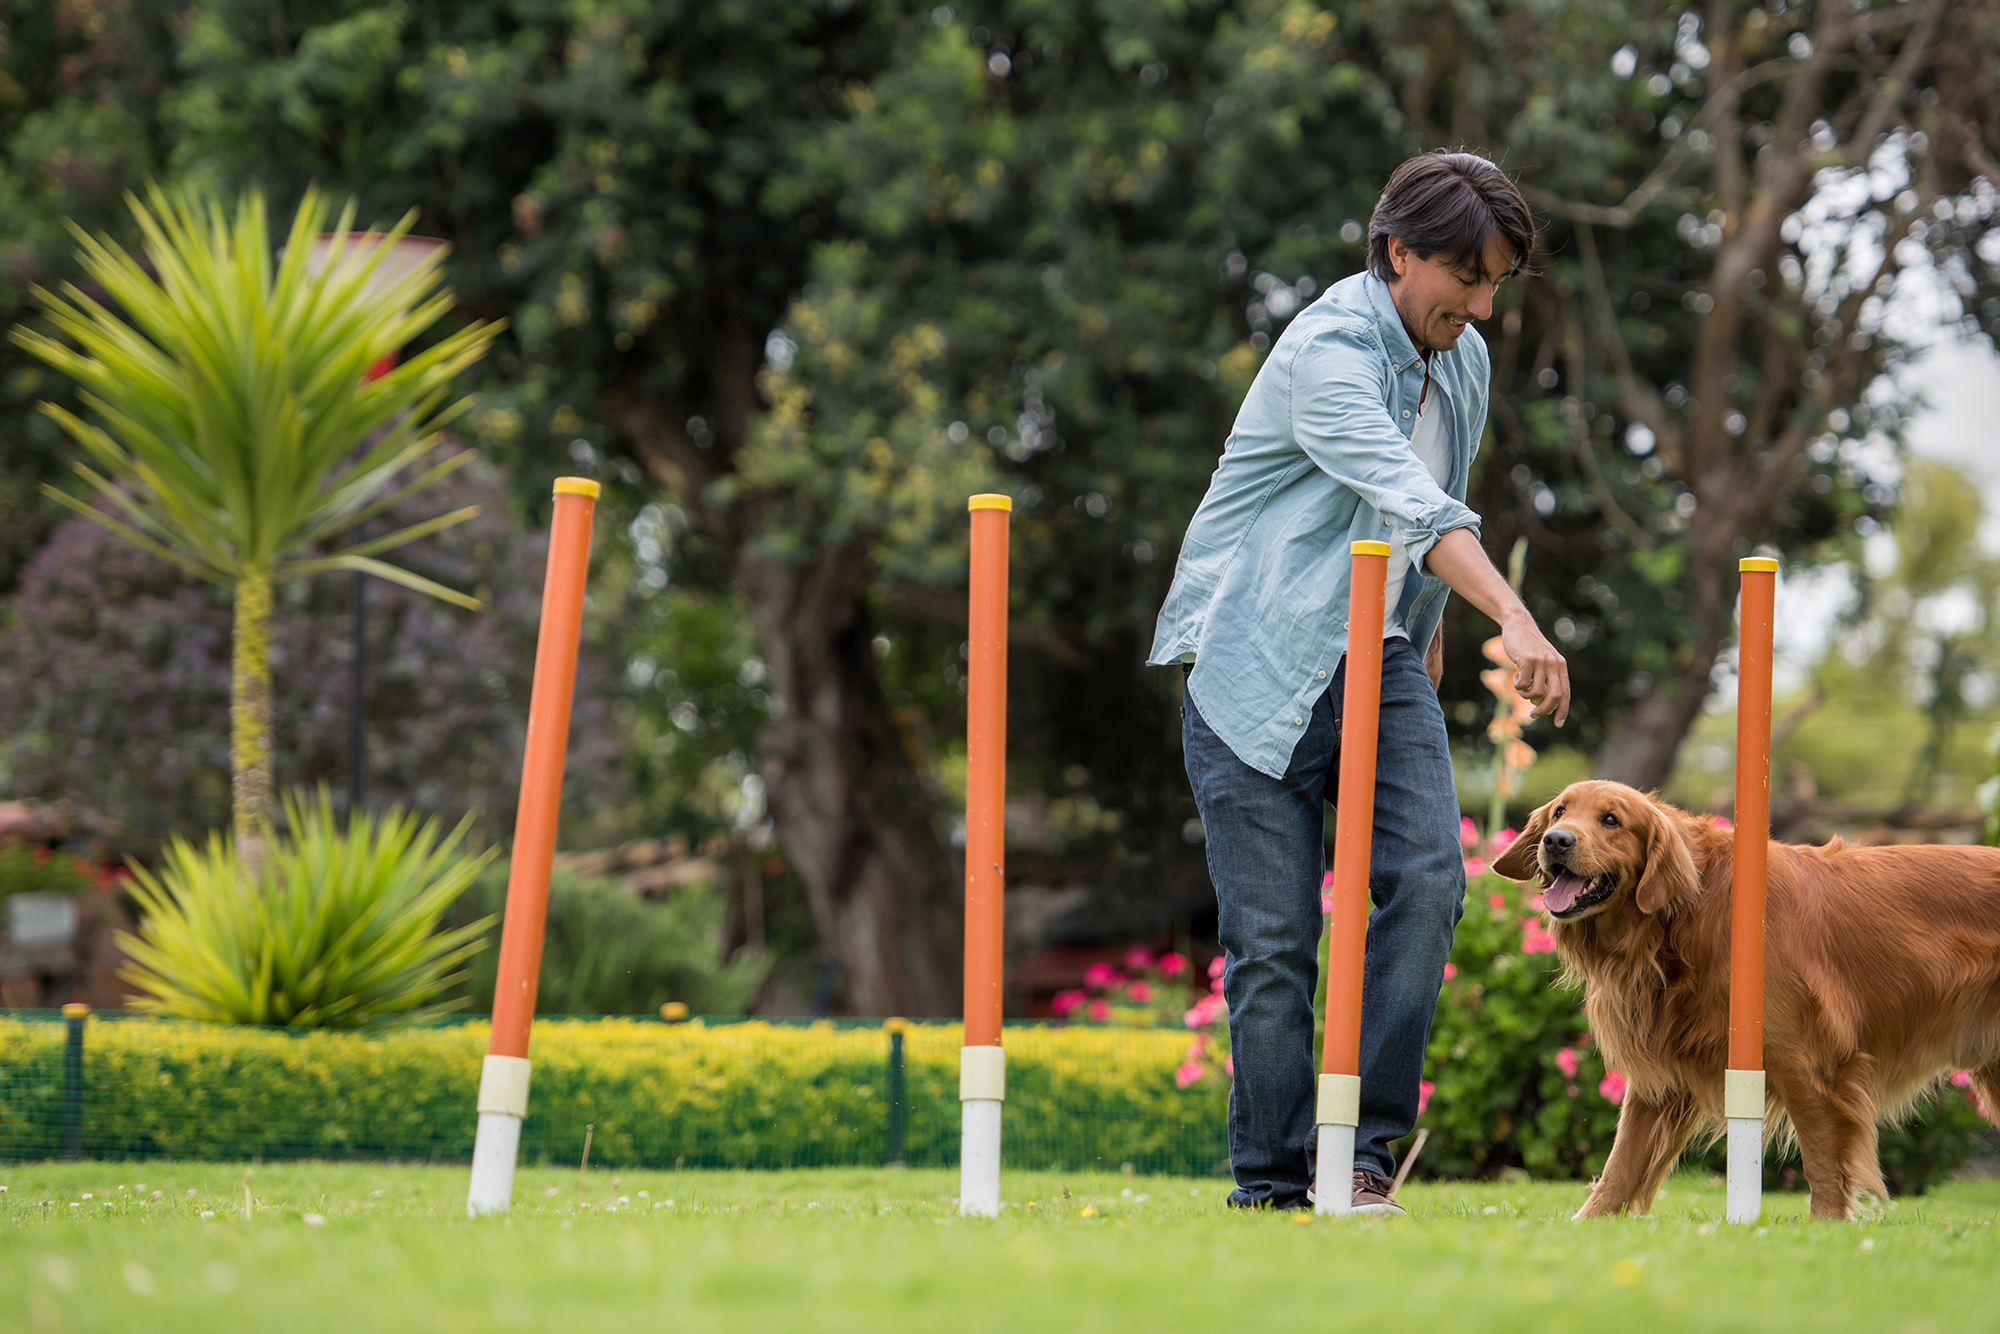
[1670, 871]
[1521, 860]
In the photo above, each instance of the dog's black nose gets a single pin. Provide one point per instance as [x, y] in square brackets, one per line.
[1559, 841]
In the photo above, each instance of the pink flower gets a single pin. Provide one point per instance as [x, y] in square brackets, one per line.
[1720, 823]
[1216, 986]
[1537, 941]
[1498, 902]
[1424, 1090]
[1188, 1073]
[1612, 1088]
[1570, 1089]
[1326, 881]
[1536, 903]
[1468, 832]
[1215, 968]
[1500, 842]
[1138, 958]
[1066, 1001]
[1194, 1048]
[1099, 1010]
[1326, 903]
[1474, 868]
[1450, 971]
[1139, 993]
[1961, 1079]
[1101, 975]
[1566, 1062]
[1173, 965]
[1204, 1011]
[1229, 1066]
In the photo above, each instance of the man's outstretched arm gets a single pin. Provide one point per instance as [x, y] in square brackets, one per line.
[1540, 672]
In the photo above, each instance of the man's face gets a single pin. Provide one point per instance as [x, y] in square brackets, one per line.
[1439, 296]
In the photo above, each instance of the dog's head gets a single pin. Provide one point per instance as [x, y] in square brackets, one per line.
[1599, 844]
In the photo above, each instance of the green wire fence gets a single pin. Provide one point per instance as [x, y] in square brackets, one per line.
[706, 1093]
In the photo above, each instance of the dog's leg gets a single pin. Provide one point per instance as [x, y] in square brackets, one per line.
[1650, 1138]
[1834, 1114]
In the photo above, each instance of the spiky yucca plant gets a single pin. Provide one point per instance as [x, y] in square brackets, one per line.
[341, 930]
[232, 395]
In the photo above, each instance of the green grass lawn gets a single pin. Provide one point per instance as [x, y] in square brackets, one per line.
[360, 1247]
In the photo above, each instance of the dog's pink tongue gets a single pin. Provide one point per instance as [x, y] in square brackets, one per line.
[1560, 897]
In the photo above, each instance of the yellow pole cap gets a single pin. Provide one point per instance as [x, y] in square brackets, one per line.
[1757, 565]
[897, 1025]
[75, 1010]
[674, 1012]
[990, 501]
[577, 486]
[1370, 549]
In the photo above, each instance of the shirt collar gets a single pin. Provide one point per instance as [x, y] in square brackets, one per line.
[1395, 338]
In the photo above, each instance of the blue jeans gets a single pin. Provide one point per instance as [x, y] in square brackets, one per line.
[1267, 857]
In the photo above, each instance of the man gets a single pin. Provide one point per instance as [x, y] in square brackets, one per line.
[1362, 423]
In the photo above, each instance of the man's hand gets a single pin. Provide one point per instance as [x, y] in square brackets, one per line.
[1434, 658]
[1540, 673]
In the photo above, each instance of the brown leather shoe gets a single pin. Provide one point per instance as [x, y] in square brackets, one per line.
[1372, 1197]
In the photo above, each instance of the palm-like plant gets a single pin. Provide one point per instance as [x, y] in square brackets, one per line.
[237, 426]
[338, 931]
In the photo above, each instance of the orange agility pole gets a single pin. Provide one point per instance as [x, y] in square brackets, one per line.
[1743, 1089]
[982, 1066]
[503, 1084]
[1339, 1109]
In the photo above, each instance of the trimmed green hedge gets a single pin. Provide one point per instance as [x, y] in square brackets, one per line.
[748, 1094]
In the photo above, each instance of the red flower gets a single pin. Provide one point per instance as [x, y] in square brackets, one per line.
[1468, 832]
[1188, 1073]
[1099, 1010]
[1139, 993]
[1424, 1090]
[1099, 976]
[1474, 868]
[1173, 965]
[1612, 1087]
[1138, 958]
[1566, 1061]
[1450, 971]
[1215, 968]
[1065, 1002]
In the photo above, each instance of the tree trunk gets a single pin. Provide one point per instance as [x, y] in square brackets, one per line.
[850, 810]
[1640, 748]
[250, 779]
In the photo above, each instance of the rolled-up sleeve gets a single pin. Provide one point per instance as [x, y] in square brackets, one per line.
[1338, 392]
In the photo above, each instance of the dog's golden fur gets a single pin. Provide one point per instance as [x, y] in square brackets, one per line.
[1882, 973]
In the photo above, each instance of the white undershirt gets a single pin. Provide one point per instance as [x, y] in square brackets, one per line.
[1430, 441]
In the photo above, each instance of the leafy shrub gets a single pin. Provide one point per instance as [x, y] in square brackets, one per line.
[30, 869]
[736, 1095]
[341, 932]
[1158, 992]
[607, 951]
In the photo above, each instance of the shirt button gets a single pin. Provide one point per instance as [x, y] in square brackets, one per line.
[1406, 412]
[1298, 722]
[1322, 676]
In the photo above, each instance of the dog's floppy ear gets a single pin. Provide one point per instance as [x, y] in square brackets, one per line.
[1669, 873]
[1521, 860]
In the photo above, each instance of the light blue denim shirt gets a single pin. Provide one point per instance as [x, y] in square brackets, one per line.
[1320, 457]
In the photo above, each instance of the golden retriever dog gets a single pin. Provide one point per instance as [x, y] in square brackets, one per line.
[1882, 974]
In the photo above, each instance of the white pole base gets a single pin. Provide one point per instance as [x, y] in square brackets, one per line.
[495, 1147]
[1745, 1190]
[979, 1158]
[1333, 1172]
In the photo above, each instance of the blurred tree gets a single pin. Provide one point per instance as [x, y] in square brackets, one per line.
[241, 416]
[115, 667]
[1737, 196]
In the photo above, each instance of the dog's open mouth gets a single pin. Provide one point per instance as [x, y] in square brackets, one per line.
[1570, 894]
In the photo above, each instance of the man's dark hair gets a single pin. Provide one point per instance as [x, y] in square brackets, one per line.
[1449, 204]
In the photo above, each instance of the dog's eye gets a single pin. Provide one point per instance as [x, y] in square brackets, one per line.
[1559, 811]
[1609, 821]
